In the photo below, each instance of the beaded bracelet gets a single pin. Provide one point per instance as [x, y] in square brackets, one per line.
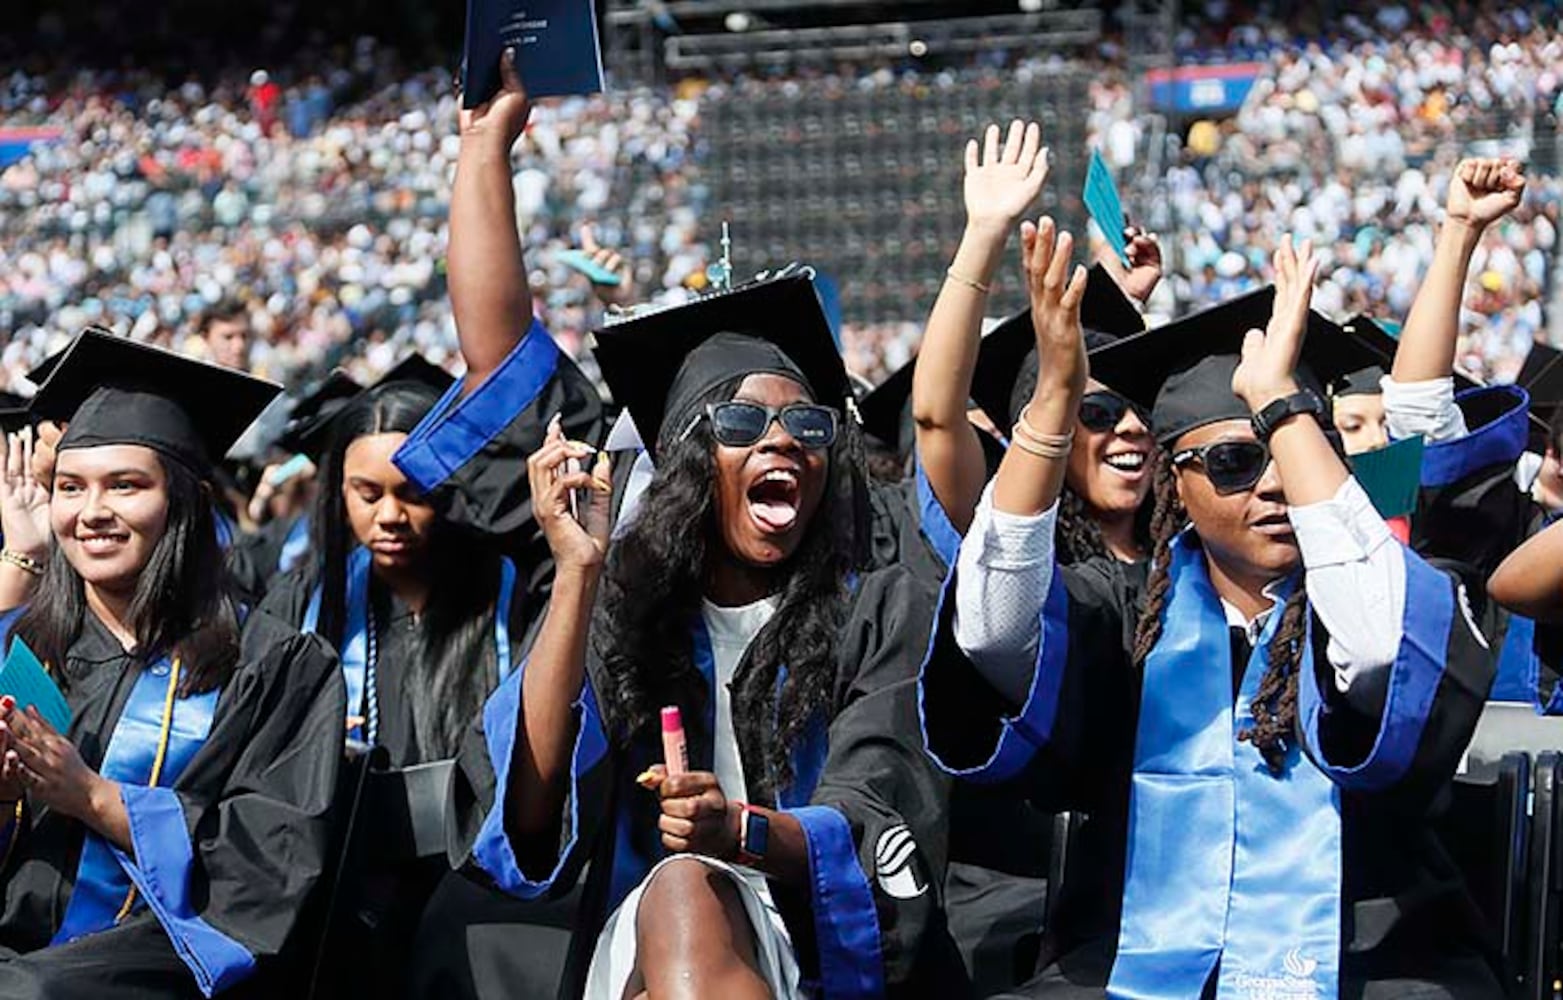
[25, 563]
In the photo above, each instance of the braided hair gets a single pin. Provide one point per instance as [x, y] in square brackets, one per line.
[1274, 706]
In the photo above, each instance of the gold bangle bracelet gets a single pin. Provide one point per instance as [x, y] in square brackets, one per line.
[25, 563]
[971, 283]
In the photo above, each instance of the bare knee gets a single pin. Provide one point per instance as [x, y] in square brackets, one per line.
[692, 933]
[684, 899]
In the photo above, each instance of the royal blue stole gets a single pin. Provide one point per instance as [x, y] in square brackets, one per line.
[157, 735]
[357, 653]
[1228, 864]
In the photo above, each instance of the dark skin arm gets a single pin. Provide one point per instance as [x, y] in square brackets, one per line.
[556, 668]
[489, 294]
[1530, 581]
[698, 818]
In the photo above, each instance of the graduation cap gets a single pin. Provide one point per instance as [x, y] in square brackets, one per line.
[39, 375]
[1542, 376]
[315, 408]
[1181, 373]
[14, 414]
[659, 364]
[116, 391]
[1006, 371]
[313, 437]
[886, 409]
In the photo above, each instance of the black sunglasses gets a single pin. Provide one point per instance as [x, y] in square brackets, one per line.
[1231, 466]
[739, 424]
[1101, 411]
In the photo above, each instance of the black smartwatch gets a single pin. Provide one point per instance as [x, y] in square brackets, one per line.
[1277, 413]
[754, 836]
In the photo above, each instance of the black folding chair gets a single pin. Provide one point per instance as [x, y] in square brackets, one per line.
[1486, 833]
[1544, 954]
[392, 855]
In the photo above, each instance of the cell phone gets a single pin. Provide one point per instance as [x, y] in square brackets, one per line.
[579, 260]
[287, 470]
[580, 499]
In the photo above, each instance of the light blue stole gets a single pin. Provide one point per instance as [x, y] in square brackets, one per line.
[296, 546]
[357, 653]
[102, 893]
[1227, 863]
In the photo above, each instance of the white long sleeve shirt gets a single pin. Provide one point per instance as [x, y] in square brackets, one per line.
[1356, 583]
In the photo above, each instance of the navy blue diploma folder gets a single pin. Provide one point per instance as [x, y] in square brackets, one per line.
[557, 50]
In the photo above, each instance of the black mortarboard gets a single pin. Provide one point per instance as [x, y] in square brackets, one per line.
[414, 369]
[1541, 375]
[1182, 372]
[315, 409]
[658, 365]
[887, 410]
[1362, 382]
[1005, 375]
[117, 391]
[40, 374]
[1367, 380]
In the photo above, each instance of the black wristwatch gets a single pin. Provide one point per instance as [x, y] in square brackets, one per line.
[754, 835]
[1277, 413]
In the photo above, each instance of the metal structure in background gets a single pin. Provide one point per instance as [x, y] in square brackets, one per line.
[1150, 28]
[862, 182]
[649, 38]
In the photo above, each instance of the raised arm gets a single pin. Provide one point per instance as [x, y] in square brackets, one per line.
[1311, 471]
[1031, 476]
[24, 520]
[556, 669]
[1005, 569]
[1000, 186]
[1480, 193]
[488, 284]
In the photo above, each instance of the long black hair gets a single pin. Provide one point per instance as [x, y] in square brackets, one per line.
[182, 606]
[1274, 705]
[655, 579]
[1080, 533]
[451, 676]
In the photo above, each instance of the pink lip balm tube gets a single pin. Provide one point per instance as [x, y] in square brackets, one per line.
[675, 753]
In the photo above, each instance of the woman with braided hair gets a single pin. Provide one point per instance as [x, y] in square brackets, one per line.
[1258, 755]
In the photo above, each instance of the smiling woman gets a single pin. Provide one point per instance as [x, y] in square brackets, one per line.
[1295, 683]
[182, 718]
[803, 845]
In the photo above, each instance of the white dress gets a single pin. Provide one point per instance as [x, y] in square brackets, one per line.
[613, 961]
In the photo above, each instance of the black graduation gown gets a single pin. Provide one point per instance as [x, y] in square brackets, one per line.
[256, 802]
[390, 902]
[256, 557]
[874, 787]
[1403, 900]
[469, 454]
[399, 644]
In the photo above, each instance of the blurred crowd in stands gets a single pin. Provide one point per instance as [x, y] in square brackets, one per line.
[317, 195]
